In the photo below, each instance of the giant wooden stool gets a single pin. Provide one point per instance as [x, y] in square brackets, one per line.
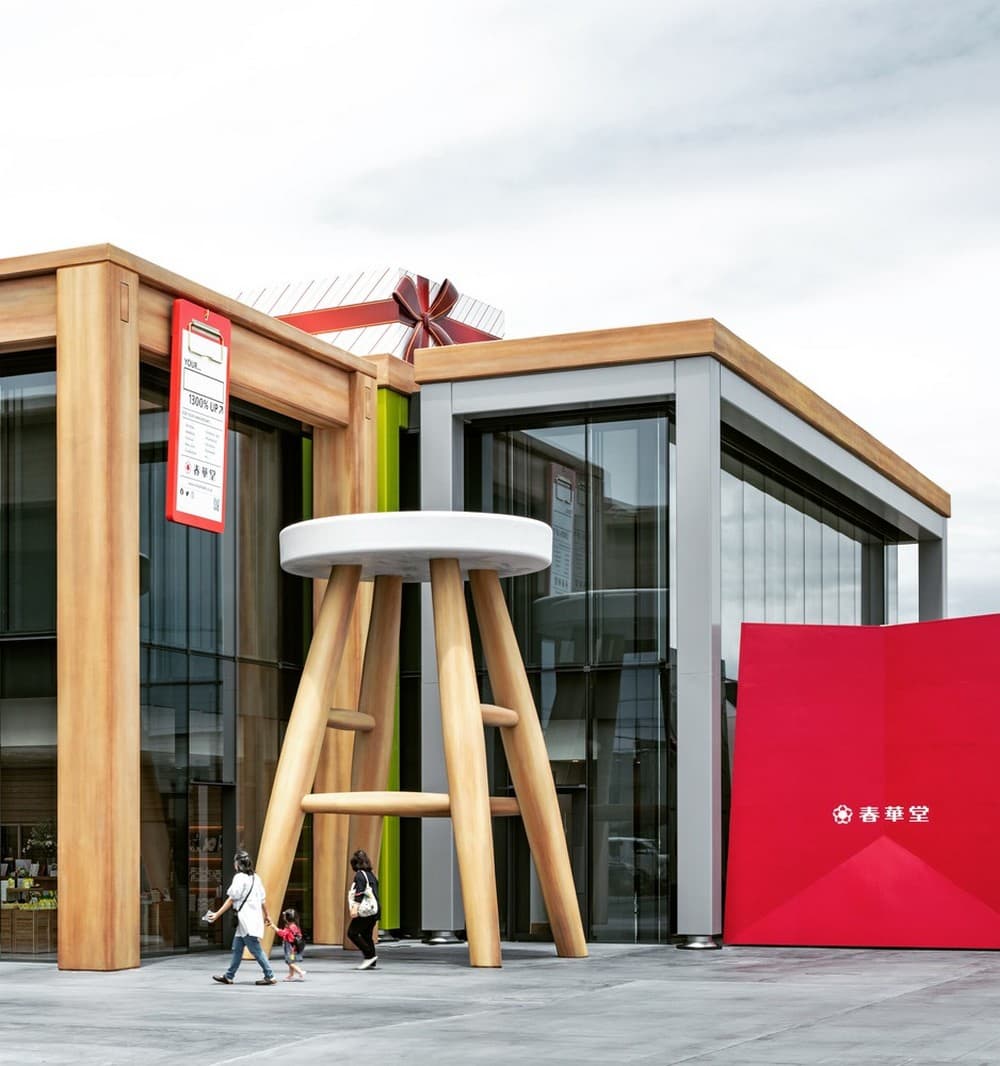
[440, 547]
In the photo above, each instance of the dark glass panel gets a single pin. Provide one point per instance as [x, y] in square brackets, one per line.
[628, 476]
[209, 864]
[753, 545]
[223, 628]
[28, 731]
[831, 568]
[28, 503]
[630, 860]
[163, 784]
[813, 556]
[595, 630]
[732, 562]
[795, 583]
[774, 551]
[211, 694]
[28, 714]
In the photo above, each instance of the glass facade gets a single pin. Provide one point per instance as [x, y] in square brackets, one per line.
[28, 656]
[223, 632]
[594, 636]
[222, 637]
[786, 557]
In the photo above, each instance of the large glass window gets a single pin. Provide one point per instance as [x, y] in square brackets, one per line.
[786, 557]
[594, 634]
[28, 827]
[222, 644]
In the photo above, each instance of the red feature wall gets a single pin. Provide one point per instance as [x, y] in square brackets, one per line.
[866, 786]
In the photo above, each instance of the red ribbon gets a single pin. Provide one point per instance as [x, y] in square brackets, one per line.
[410, 304]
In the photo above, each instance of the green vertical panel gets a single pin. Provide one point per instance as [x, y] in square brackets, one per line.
[393, 415]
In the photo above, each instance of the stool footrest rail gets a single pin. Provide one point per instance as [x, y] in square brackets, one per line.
[342, 718]
[501, 716]
[401, 804]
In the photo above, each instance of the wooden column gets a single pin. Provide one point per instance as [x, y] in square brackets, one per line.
[372, 750]
[529, 765]
[300, 751]
[97, 512]
[465, 762]
[344, 482]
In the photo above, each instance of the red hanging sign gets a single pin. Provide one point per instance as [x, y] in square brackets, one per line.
[198, 418]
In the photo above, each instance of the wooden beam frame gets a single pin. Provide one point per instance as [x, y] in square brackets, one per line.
[27, 313]
[97, 627]
[675, 340]
[273, 365]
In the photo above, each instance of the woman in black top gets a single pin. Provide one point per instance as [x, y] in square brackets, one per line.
[360, 931]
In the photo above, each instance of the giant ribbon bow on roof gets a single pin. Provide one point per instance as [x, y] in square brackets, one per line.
[410, 304]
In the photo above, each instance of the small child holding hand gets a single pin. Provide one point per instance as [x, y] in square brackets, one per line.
[291, 935]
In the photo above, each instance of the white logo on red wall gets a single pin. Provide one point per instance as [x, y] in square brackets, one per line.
[917, 813]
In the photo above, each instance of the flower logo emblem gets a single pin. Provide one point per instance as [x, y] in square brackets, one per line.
[842, 814]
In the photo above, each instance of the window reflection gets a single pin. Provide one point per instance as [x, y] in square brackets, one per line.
[785, 557]
[28, 501]
[28, 815]
[594, 632]
[222, 634]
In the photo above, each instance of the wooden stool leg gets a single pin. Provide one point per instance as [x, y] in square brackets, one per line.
[300, 751]
[373, 750]
[529, 765]
[465, 762]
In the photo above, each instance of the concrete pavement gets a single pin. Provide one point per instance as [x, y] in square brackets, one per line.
[425, 1005]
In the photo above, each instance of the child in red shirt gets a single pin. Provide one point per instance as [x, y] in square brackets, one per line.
[291, 935]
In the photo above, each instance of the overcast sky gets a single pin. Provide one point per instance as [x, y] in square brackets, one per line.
[822, 177]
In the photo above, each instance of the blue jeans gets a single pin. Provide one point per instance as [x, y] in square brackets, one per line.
[252, 944]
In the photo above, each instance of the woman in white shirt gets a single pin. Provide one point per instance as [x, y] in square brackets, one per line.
[246, 896]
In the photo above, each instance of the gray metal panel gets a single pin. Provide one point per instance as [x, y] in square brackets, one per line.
[440, 893]
[748, 410]
[569, 389]
[441, 488]
[699, 649]
[441, 451]
[932, 563]
[873, 584]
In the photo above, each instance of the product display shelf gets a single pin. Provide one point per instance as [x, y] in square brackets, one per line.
[28, 932]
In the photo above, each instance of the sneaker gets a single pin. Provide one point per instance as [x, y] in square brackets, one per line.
[272, 980]
[223, 979]
[369, 964]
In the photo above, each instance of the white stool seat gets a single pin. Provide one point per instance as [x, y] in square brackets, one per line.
[402, 543]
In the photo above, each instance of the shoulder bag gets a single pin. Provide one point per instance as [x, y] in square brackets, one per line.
[367, 905]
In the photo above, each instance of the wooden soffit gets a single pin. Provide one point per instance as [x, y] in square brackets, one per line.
[675, 340]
